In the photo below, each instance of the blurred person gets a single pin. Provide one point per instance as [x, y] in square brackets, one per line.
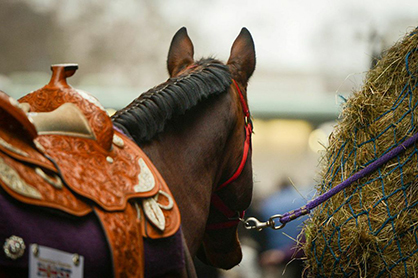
[281, 256]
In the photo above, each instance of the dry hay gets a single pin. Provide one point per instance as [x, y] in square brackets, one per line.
[370, 229]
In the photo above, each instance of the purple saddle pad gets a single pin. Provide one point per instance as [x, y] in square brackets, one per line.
[81, 235]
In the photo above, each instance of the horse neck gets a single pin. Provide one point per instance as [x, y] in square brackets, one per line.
[190, 154]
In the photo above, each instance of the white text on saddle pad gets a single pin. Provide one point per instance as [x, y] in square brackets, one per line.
[53, 263]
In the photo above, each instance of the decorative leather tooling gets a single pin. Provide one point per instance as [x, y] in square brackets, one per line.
[58, 149]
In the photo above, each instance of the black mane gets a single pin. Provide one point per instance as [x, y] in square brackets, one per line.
[147, 115]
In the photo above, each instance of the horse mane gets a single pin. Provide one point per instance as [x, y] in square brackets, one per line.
[148, 114]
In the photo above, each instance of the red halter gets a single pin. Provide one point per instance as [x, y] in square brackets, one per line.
[217, 202]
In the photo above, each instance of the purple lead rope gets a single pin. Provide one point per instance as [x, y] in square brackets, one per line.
[291, 215]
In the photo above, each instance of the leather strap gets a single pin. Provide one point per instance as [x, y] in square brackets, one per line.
[126, 243]
[247, 146]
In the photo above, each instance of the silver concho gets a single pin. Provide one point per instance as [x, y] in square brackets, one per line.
[14, 247]
[154, 213]
[146, 181]
[12, 179]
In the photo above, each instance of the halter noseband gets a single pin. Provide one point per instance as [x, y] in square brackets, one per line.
[233, 217]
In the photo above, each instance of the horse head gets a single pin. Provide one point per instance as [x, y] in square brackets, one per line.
[232, 189]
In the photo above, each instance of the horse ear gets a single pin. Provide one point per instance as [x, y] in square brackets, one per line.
[181, 52]
[242, 59]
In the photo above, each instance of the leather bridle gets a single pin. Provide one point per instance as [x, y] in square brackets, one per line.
[233, 217]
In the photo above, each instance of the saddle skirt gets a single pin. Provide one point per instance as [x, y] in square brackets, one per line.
[58, 149]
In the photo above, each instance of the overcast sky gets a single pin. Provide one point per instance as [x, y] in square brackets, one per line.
[294, 34]
[301, 35]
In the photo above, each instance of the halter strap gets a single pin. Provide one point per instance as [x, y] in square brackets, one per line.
[233, 217]
[247, 143]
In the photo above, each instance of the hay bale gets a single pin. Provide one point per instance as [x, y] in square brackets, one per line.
[370, 229]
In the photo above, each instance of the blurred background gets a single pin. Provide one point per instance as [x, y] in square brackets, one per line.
[311, 55]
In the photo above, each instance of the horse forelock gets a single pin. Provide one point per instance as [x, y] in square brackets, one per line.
[148, 114]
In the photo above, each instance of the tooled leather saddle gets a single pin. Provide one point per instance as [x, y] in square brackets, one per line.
[58, 149]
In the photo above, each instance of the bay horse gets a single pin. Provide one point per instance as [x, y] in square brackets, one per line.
[71, 180]
[196, 129]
